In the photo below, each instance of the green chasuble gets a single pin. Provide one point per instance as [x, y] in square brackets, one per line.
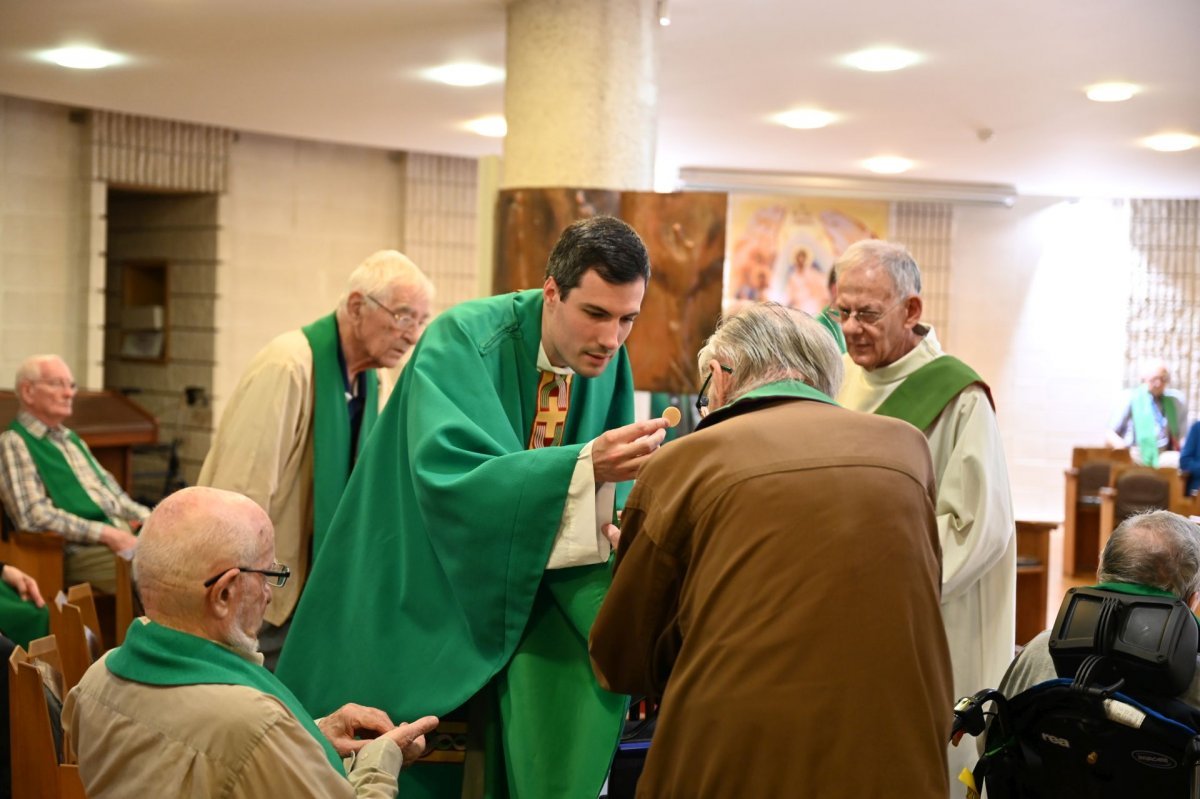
[437, 586]
[62, 486]
[156, 655]
[331, 422]
[924, 394]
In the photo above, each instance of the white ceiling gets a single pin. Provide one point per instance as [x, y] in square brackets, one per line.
[347, 71]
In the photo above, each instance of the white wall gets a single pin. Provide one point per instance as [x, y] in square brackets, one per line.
[1039, 297]
[45, 304]
[298, 217]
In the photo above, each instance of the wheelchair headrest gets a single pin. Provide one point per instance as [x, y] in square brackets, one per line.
[1149, 641]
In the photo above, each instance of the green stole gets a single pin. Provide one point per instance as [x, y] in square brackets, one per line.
[1145, 424]
[156, 655]
[331, 423]
[925, 393]
[61, 483]
[444, 531]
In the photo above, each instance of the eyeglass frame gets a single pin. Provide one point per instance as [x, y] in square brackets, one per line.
[405, 318]
[836, 314]
[57, 382]
[702, 398]
[281, 574]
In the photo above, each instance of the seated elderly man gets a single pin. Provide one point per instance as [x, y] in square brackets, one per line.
[50, 483]
[777, 583]
[185, 708]
[1152, 553]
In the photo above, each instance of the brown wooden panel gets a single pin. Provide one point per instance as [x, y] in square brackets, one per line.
[1033, 566]
[529, 222]
[685, 235]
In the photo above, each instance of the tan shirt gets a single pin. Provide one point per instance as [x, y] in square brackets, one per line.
[263, 449]
[136, 740]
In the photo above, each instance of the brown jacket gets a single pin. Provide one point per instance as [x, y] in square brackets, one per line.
[778, 585]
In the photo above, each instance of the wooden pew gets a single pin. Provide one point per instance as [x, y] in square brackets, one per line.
[1033, 575]
[36, 771]
[1110, 496]
[1081, 511]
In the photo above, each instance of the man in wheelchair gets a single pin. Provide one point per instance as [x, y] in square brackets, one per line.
[1106, 703]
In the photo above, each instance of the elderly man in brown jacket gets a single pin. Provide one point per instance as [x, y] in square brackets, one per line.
[777, 585]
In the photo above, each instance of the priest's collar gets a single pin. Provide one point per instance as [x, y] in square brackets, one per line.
[927, 349]
[545, 365]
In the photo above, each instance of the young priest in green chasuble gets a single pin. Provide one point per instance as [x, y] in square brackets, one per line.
[466, 560]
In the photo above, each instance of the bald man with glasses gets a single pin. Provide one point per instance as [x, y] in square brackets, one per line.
[294, 425]
[184, 707]
[896, 367]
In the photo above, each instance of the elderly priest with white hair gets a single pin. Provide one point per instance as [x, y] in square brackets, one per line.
[896, 367]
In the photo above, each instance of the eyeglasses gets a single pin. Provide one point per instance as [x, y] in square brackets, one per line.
[59, 383]
[702, 397]
[276, 576]
[404, 317]
[864, 317]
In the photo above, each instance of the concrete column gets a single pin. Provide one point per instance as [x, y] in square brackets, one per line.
[581, 94]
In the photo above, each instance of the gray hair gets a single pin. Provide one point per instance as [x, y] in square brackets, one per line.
[764, 342]
[382, 270]
[894, 258]
[1159, 549]
[190, 534]
[30, 370]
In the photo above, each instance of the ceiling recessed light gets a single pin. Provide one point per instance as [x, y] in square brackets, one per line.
[882, 59]
[1111, 92]
[494, 126]
[82, 57]
[888, 164]
[1172, 142]
[805, 118]
[465, 74]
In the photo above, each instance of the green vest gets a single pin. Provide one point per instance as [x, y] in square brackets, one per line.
[925, 393]
[62, 486]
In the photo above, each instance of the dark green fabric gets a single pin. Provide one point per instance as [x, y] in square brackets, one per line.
[156, 655]
[1145, 424]
[833, 327]
[1138, 589]
[62, 486]
[924, 394]
[443, 535]
[21, 621]
[331, 423]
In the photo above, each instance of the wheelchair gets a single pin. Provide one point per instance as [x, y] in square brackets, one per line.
[1109, 725]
